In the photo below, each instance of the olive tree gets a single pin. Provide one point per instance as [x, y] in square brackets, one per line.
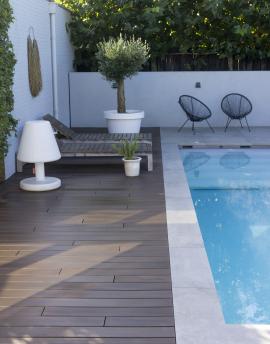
[121, 58]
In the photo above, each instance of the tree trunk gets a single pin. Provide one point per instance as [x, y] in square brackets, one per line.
[230, 62]
[2, 169]
[121, 102]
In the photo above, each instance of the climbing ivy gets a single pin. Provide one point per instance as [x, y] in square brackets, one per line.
[7, 62]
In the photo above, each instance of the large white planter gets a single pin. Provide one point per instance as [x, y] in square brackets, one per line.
[129, 122]
[132, 167]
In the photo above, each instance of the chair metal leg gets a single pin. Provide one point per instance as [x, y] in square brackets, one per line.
[182, 126]
[247, 124]
[227, 124]
[193, 128]
[241, 123]
[210, 126]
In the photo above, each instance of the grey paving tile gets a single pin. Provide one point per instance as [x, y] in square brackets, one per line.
[185, 235]
[190, 268]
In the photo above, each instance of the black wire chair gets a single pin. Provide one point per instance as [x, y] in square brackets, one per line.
[236, 107]
[195, 110]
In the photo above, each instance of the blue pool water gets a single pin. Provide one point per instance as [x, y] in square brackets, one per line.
[231, 194]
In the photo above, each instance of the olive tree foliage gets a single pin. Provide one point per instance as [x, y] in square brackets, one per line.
[232, 29]
[7, 63]
[121, 58]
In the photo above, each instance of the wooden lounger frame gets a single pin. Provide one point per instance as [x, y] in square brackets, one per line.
[96, 149]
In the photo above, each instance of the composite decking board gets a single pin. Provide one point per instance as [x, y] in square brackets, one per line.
[84, 259]
[108, 311]
[139, 321]
[99, 286]
[88, 321]
[110, 272]
[96, 294]
[52, 280]
[25, 320]
[88, 263]
[21, 311]
[81, 228]
[83, 254]
[18, 340]
[122, 236]
[85, 302]
[56, 280]
[88, 332]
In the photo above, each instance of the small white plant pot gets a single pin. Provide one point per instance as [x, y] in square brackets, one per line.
[124, 123]
[132, 167]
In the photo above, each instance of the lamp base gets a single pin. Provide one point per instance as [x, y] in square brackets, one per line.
[47, 184]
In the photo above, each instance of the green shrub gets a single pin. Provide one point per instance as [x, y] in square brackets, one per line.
[95, 20]
[119, 59]
[234, 29]
[7, 63]
[127, 149]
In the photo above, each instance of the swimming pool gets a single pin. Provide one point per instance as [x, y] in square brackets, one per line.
[231, 194]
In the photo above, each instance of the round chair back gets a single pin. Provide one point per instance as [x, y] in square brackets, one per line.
[236, 106]
[194, 108]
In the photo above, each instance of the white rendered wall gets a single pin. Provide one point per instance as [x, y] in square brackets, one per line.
[158, 92]
[35, 13]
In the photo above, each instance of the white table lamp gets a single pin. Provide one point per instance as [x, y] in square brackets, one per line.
[38, 145]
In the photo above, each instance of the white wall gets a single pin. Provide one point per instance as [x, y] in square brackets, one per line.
[35, 13]
[158, 93]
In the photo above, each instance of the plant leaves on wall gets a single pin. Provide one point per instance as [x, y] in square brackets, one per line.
[7, 62]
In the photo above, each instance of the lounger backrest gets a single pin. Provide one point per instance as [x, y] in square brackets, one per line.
[60, 127]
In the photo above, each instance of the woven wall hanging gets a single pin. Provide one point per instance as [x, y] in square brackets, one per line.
[34, 67]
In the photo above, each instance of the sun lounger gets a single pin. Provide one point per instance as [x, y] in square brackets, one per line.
[70, 134]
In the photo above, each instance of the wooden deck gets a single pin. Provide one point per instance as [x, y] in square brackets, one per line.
[88, 263]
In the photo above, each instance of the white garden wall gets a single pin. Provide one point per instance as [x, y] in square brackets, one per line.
[35, 13]
[157, 93]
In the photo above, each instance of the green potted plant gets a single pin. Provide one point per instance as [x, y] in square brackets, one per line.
[119, 59]
[132, 162]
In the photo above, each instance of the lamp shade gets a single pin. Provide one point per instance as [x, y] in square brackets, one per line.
[38, 143]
